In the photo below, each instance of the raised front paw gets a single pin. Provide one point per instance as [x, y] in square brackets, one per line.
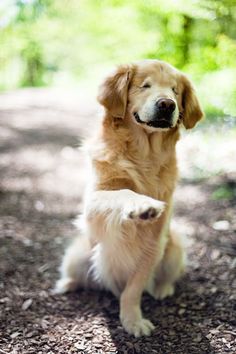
[138, 328]
[146, 209]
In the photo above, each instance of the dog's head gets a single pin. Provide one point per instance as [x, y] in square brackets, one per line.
[151, 93]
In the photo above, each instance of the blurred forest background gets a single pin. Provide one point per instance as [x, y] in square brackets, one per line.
[68, 43]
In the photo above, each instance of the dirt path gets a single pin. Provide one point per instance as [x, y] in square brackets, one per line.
[41, 182]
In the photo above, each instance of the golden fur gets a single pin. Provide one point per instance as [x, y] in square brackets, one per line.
[125, 244]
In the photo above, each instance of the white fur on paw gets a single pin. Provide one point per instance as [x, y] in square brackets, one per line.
[163, 291]
[64, 285]
[145, 210]
[141, 327]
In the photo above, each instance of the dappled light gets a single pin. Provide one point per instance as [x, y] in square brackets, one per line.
[43, 176]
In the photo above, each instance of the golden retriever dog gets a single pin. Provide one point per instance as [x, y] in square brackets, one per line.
[125, 243]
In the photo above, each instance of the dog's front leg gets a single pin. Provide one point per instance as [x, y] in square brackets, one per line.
[112, 208]
[130, 301]
[117, 207]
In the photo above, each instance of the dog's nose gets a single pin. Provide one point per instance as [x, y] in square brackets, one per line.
[166, 104]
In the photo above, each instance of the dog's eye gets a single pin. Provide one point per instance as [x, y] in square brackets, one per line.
[174, 89]
[146, 85]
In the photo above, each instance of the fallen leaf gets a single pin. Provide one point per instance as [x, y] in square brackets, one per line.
[26, 304]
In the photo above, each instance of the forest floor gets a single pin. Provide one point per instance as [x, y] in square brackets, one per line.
[42, 177]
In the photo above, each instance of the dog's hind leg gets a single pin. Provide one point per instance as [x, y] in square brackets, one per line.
[171, 267]
[75, 266]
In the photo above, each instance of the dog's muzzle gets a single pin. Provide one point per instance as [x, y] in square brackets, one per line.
[162, 116]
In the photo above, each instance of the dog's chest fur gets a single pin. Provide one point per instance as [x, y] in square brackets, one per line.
[150, 177]
[146, 166]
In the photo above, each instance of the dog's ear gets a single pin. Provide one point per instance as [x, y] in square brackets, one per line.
[113, 92]
[192, 111]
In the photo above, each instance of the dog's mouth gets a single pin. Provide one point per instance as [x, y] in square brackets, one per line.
[162, 123]
[159, 123]
[137, 118]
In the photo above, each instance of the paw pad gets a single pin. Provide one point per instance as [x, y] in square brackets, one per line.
[148, 214]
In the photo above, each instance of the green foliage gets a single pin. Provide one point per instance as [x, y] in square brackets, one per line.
[218, 92]
[50, 42]
[224, 192]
